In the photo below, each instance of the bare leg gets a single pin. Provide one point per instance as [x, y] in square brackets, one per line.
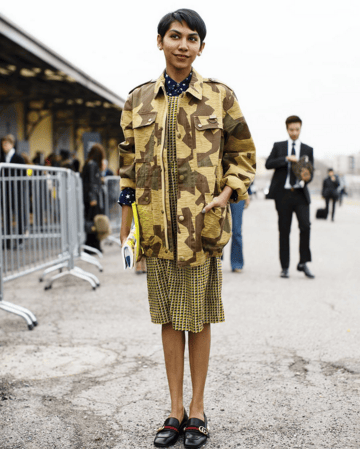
[174, 348]
[199, 352]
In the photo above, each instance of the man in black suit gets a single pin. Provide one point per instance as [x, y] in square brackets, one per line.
[13, 191]
[330, 191]
[291, 194]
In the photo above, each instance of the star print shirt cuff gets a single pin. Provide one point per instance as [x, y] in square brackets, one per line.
[127, 197]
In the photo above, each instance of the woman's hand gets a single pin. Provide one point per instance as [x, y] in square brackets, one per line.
[247, 202]
[93, 203]
[126, 220]
[219, 201]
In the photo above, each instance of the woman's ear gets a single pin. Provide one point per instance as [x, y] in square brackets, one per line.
[201, 49]
[159, 42]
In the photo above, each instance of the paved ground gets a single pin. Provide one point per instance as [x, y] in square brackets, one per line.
[284, 372]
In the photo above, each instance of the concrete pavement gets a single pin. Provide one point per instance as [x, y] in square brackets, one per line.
[284, 369]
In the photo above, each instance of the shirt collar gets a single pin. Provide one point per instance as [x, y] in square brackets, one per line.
[173, 89]
[195, 86]
[297, 143]
[10, 155]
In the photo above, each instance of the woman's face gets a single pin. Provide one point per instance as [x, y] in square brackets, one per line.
[181, 45]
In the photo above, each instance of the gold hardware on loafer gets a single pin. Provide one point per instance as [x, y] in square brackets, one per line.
[203, 430]
[161, 428]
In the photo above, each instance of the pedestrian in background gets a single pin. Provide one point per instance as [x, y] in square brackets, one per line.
[330, 191]
[291, 194]
[183, 186]
[236, 256]
[93, 193]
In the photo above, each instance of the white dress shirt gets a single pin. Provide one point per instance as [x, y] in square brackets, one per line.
[9, 155]
[298, 184]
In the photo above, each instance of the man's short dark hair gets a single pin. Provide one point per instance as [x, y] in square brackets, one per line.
[192, 19]
[293, 119]
[330, 169]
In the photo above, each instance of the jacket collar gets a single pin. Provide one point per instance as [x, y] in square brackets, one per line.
[195, 87]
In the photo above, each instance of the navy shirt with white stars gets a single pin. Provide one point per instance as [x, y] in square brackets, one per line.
[174, 89]
[127, 197]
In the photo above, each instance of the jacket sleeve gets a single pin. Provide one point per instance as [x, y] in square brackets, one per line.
[274, 161]
[239, 156]
[127, 148]
[323, 188]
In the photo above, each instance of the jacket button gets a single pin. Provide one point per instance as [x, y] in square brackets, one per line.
[181, 177]
[181, 218]
[150, 119]
[182, 259]
[179, 136]
[200, 125]
[146, 198]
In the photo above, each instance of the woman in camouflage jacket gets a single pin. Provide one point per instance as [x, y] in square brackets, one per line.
[187, 153]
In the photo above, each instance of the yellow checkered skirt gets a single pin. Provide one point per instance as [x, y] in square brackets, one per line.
[187, 297]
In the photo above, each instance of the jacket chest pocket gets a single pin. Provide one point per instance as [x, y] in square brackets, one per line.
[144, 135]
[208, 135]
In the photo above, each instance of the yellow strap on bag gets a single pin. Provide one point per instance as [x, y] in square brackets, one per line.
[137, 230]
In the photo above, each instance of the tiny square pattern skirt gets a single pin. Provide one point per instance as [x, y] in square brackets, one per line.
[188, 297]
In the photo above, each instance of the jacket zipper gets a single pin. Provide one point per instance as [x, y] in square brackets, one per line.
[163, 173]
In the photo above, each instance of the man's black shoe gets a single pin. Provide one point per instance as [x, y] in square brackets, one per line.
[284, 273]
[303, 267]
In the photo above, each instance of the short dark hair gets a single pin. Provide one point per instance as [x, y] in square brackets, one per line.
[192, 18]
[330, 169]
[293, 119]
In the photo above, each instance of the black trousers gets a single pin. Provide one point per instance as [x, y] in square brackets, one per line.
[287, 202]
[333, 199]
[91, 237]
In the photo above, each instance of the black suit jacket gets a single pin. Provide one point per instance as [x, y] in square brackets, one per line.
[277, 160]
[16, 159]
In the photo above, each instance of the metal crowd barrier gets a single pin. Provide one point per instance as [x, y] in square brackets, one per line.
[111, 189]
[41, 227]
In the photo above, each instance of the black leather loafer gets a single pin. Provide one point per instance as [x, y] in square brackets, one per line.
[303, 267]
[169, 433]
[196, 433]
[284, 273]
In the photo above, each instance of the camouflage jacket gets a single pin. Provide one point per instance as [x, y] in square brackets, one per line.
[214, 148]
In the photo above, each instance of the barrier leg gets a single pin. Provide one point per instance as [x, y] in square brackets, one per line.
[71, 272]
[59, 266]
[93, 250]
[90, 275]
[24, 310]
[91, 259]
[11, 308]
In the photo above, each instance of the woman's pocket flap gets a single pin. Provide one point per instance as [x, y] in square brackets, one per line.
[208, 122]
[142, 119]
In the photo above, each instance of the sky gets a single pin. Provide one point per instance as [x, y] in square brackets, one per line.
[280, 57]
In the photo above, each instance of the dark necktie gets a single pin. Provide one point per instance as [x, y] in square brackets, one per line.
[292, 175]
